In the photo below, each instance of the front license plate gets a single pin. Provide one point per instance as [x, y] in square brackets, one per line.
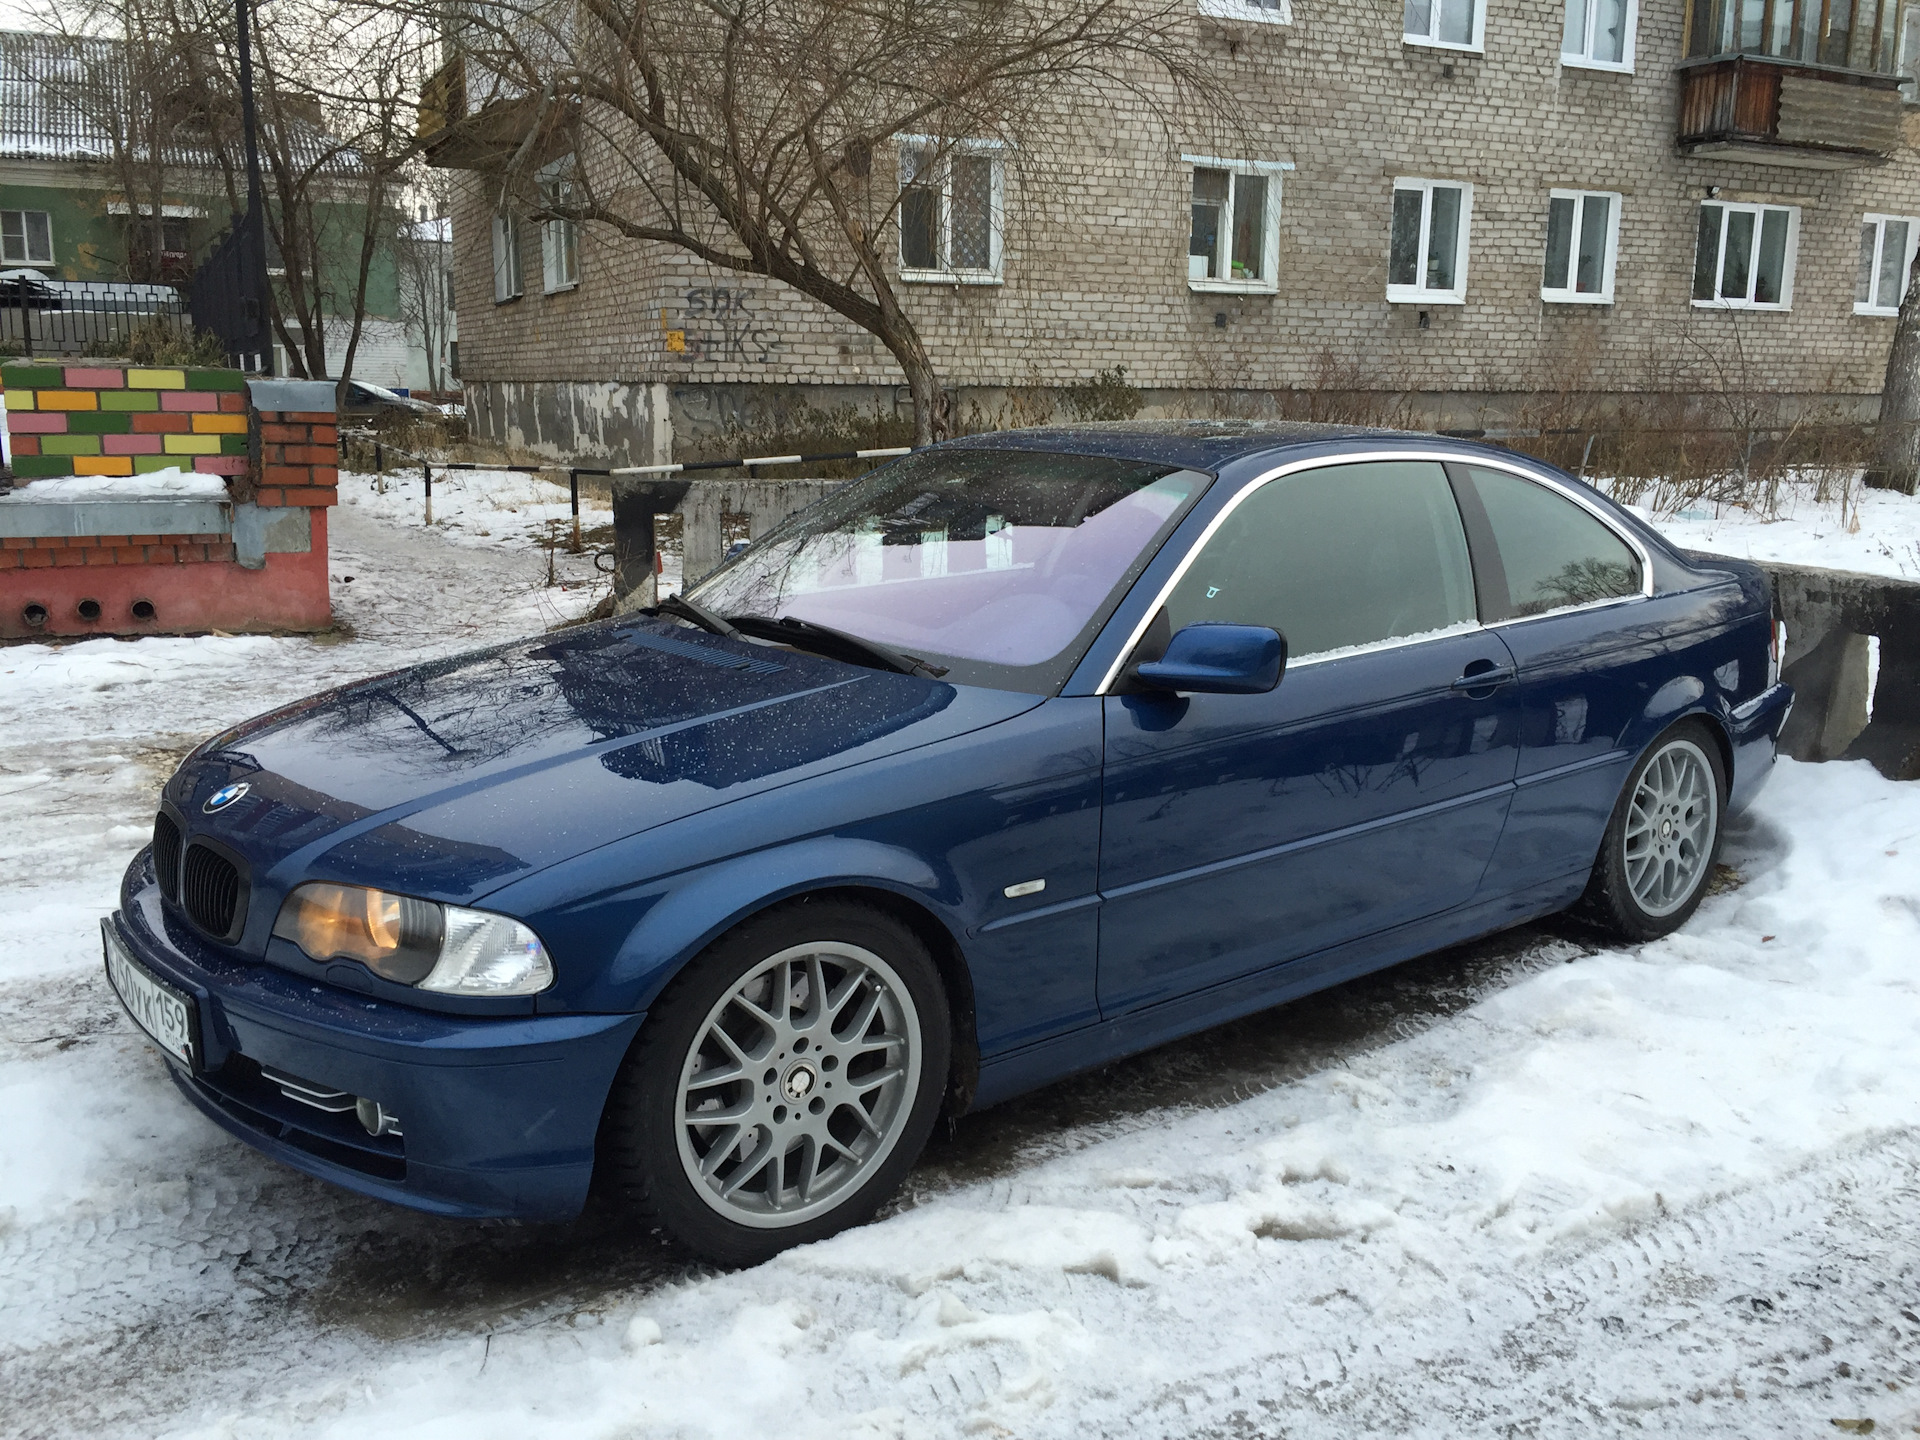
[169, 1017]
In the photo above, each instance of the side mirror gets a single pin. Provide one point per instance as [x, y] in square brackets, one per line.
[1215, 659]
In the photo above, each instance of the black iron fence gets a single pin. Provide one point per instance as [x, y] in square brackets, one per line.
[41, 317]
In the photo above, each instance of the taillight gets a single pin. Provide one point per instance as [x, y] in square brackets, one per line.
[1776, 652]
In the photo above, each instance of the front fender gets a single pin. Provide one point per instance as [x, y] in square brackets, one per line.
[705, 904]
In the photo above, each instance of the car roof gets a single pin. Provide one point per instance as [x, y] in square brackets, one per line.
[1197, 444]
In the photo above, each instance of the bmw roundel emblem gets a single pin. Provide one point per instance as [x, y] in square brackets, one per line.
[224, 796]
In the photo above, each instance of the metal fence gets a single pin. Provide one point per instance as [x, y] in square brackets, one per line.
[83, 317]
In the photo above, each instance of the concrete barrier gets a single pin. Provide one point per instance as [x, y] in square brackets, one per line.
[1832, 617]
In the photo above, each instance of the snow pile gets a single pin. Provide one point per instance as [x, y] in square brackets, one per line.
[1876, 533]
[169, 484]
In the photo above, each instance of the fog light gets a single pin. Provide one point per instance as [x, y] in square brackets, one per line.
[375, 1118]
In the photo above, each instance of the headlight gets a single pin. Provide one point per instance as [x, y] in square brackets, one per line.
[416, 942]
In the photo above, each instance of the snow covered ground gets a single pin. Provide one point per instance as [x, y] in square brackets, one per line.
[1528, 1187]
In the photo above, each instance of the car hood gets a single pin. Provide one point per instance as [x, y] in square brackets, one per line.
[452, 778]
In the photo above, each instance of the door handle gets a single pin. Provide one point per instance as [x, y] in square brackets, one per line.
[1484, 679]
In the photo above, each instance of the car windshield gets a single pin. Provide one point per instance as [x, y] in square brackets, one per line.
[997, 564]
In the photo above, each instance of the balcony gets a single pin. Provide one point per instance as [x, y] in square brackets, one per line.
[459, 130]
[1775, 112]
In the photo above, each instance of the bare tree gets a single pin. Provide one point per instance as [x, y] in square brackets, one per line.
[422, 258]
[1896, 461]
[763, 136]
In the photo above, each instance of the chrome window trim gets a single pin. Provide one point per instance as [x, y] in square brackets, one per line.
[1366, 457]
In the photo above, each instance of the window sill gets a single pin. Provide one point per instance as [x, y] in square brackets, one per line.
[950, 277]
[1282, 14]
[1562, 297]
[1737, 305]
[1234, 287]
[1479, 47]
[1605, 67]
[561, 289]
[1398, 295]
[1878, 312]
[505, 299]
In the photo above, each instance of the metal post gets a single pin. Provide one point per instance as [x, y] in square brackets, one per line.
[573, 498]
[26, 320]
[261, 300]
[427, 471]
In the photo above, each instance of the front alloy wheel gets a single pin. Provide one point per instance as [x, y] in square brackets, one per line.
[799, 1084]
[783, 1083]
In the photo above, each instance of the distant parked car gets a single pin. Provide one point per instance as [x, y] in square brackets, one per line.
[1019, 755]
[368, 402]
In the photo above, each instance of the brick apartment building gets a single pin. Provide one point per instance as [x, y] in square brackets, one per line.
[1470, 200]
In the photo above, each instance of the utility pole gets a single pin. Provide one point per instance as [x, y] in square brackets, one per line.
[253, 257]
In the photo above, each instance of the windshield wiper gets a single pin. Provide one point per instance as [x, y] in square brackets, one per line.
[826, 640]
[685, 609]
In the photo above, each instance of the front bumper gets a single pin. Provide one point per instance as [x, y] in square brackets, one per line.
[1755, 732]
[498, 1114]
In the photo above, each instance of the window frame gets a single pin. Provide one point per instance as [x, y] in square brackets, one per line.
[1475, 46]
[559, 239]
[26, 239]
[946, 151]
[1788, 265]
[1879, 223]
[1570, 296]
[1110, 676]
[1274, 172]
[1419, 294]
[1585, 60]
[1281, 13]
[509, 284]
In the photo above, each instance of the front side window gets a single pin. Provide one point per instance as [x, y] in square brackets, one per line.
[559, 239]
[26, 237]
[1335, 558]
[1234, 242]
[1887, 244]
[1427, 256]
[1452, 24]
[952, 211]
[1583, 230]
[1743, 256]
[999, 564]
[1599, 34]
[506, 259]
[1555, 554]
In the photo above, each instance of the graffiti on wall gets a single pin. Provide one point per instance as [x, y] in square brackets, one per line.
[720, 324]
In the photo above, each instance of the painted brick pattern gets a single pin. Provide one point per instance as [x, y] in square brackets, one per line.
[299, 458]
[99, 420]
[1097, 231]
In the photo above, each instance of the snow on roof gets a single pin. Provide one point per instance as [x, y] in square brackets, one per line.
[62, 96]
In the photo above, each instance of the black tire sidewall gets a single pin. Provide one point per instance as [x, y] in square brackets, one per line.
[1618, 908]
[643, 1152]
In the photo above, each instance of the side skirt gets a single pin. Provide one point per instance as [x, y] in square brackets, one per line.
[1004, 1076]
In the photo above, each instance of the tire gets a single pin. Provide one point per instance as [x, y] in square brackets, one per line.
[791, 1162]
[1662, 840]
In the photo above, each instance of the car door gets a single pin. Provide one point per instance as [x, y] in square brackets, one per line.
[1567, 592]
[1367, 790]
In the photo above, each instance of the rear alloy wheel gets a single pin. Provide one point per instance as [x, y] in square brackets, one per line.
[784, 1083]
[1663, 838]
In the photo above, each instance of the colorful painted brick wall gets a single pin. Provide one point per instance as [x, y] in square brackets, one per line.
[109, 420]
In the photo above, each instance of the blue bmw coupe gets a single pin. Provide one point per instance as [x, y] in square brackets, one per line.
[1019, 755]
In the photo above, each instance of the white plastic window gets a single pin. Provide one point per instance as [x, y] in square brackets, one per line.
[1599, 34]
[1449, 24]
[1260, 12]
[559, 239]
[1583, 234]
[1744, 256]
[1887, 245]
[1427, 250]
[26, 237]
[1234, 236]
[506, 259]
[952, 212]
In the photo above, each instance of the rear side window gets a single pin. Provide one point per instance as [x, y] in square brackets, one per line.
[1555, 553]
[1348, 555]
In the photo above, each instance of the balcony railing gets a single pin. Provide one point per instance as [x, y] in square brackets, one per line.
[1771, 111]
